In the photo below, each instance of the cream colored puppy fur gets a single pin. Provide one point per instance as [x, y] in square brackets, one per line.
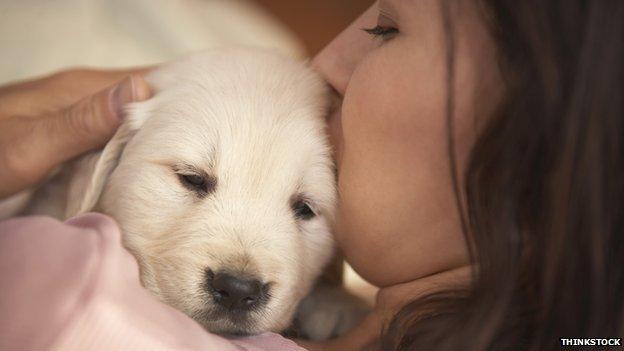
[250, 124]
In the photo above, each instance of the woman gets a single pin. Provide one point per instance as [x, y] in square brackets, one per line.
[480, 153]
[500, 122]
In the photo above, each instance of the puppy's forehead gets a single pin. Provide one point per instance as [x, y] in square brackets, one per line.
[239, 99]
[236, 127]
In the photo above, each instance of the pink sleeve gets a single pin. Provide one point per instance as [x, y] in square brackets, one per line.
[72, 286]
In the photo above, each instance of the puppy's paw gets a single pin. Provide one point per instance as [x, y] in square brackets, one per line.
[328, 312]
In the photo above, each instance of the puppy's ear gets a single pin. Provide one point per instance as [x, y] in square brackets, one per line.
[91, 172]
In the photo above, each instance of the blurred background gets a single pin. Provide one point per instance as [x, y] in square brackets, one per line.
[39, 37]
[315, 22]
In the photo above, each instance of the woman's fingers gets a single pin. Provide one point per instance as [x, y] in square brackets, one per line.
[38, 97]
[90, 123]
[32, 146]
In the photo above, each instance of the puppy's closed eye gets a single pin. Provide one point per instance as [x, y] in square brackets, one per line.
[201, 184]
[302, 210]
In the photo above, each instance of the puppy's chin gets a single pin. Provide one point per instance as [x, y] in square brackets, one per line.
[225, 326]
[222, 323]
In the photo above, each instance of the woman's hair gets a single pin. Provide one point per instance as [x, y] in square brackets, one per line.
[544, 214]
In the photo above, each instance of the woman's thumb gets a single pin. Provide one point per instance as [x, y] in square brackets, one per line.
[92, 121]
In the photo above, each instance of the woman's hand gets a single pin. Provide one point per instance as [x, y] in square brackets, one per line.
[47, 121]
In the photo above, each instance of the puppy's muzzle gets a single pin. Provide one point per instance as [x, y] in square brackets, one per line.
[236, 294]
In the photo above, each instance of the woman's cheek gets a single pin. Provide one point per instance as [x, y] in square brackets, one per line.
[367, 175]
[393, 172]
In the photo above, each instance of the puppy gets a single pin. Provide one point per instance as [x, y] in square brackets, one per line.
[222, 184]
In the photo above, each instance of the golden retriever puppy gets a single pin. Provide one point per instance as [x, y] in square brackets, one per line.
[222, 184]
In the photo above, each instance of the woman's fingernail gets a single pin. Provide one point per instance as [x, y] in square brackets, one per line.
[122, 93]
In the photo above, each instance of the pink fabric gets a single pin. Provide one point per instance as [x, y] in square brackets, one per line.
[72, 286]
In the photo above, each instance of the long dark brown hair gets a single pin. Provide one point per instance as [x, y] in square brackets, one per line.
[544, 213]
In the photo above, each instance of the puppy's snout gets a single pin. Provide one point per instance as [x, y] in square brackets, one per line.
[237, 293]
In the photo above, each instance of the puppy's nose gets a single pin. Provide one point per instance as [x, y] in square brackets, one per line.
[236, 293]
